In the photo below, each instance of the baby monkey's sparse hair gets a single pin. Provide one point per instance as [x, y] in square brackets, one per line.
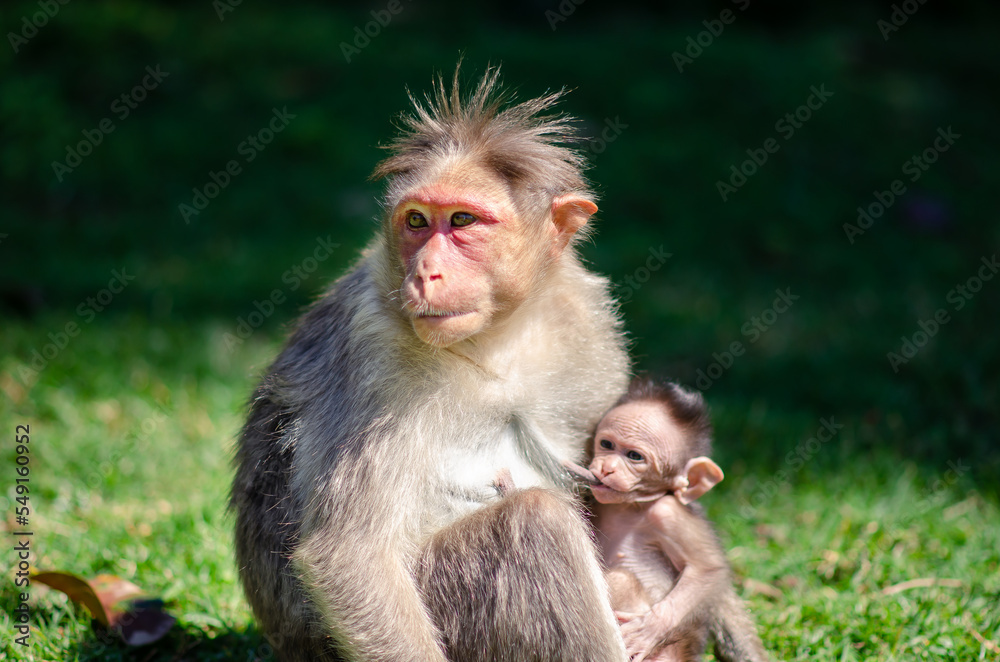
[687, 409]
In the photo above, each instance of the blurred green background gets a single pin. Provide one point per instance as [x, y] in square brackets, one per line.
[170, 340]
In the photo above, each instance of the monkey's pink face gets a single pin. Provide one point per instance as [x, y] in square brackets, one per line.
[465, 257]
[631, 450]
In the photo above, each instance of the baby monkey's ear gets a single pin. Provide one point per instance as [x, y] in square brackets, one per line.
[702, 475]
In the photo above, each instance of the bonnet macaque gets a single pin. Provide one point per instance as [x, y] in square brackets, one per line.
[468, 337]
[667, 573]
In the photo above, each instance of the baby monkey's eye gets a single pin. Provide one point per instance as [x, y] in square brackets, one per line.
[635, 457]
[416, 220]
[606, 445]
[460, 219]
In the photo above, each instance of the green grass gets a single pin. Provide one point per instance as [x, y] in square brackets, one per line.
[148, 503]
[129, 476]
[817, 533]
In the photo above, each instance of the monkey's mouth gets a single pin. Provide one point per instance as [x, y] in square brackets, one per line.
[440, 315]
[604, 494]
[423, 310]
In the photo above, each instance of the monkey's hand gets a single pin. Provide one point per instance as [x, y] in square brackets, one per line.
[642, 633]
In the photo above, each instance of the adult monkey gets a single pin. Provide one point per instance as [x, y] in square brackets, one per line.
[467, 340]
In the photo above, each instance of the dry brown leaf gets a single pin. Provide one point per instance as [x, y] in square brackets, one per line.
[115, 603]
[78, 590]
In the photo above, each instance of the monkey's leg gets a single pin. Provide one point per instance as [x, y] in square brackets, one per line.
[670, 654]
[519, 580]
[735, 634]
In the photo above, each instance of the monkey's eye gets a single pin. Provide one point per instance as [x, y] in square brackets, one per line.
[460, 219]
[606, 445]
[635, 457]
[415, 219]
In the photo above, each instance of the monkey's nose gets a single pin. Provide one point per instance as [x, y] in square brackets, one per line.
[426, 281]
[601, 472]
[426, 277]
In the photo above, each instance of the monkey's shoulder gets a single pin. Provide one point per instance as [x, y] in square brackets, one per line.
[684, 534]
[668, 511]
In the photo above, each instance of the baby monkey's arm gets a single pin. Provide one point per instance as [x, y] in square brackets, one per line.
[688, 540]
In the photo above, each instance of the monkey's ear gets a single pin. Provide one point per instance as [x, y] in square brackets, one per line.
[569, 213]
[702, 475]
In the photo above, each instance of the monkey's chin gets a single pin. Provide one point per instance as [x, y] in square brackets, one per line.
[604, 494]
[443, 330]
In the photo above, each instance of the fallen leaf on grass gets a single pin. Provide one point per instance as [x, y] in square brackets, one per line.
[78, 590]
[115, 603]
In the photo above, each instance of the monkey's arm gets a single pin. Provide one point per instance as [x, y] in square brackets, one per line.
[366, 594]
[705, 587]
[688, 541]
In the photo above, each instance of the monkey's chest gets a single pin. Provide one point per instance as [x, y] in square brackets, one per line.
[629, 552]
[469, 470]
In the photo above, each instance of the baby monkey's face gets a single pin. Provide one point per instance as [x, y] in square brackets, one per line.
[635, 444]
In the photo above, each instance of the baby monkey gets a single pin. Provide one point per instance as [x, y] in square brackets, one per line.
[669, 580]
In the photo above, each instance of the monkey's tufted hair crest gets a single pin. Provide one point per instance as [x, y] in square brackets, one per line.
[520, 143]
